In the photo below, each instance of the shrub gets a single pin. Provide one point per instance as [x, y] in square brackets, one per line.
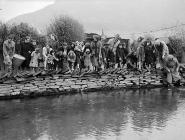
[177, 43]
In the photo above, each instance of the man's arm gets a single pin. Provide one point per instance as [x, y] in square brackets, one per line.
[4, 49]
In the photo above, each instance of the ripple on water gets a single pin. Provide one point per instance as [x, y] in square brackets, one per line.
[139, 114]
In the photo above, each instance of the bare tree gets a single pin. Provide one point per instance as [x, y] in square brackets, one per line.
[66, 29]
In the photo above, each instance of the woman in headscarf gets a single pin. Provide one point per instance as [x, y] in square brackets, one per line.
[96, 46]
[161, 50]
[171, 69]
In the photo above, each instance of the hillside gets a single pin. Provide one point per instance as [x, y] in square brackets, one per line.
[113, 17]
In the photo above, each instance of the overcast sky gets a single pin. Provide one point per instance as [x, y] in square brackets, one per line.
[13, 8]
[141, 15]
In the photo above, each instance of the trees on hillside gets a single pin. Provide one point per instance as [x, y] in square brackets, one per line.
[66, 29]
[22, 30]
[19, 31]
[4, 31]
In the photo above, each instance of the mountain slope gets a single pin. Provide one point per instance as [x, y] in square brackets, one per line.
[112, 16]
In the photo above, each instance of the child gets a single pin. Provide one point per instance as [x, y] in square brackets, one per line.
[71, 59]
[87, 59]
[50, 60]
[35, 55]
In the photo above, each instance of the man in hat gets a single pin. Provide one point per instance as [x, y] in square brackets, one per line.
[34, 43]
[26, 49]
[8, 53]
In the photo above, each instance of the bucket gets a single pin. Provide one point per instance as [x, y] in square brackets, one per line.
[17, 60]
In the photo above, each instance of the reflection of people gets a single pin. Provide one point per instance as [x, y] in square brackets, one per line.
[171, 68]
[8, 52]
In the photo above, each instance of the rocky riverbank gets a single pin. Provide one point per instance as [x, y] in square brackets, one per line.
[59, 84]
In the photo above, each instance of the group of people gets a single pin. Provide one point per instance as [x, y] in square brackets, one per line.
[95, 55]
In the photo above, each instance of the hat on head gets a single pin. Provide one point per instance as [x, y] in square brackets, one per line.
[117, 36]
[87, 50]
[64, 44]
[149, 37]
[87, 44]
[78, 47]
[71, 56]
[96, 37]
[37, 49]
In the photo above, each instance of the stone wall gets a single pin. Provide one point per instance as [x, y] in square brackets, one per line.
[60, 84]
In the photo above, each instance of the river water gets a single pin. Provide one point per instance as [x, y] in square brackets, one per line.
[156, 114]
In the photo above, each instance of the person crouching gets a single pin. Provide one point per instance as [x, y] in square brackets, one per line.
[171, 70]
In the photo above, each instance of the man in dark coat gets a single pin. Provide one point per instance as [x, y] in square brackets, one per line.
[150, 57]
[18, 47]
[26, 49]
[120, 55]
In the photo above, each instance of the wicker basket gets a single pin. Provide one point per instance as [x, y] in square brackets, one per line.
[18, 60]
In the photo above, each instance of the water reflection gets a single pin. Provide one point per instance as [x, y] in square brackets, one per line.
[138, 114]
